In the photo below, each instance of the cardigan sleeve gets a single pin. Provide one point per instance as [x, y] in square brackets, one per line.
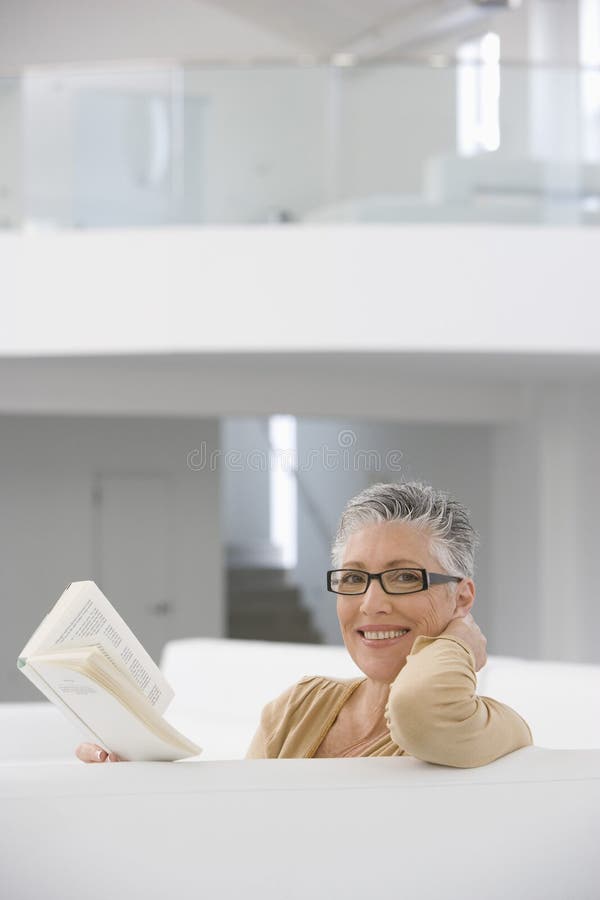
[434, 713]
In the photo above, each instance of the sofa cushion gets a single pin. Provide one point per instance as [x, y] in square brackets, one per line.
[559, 700]
[221, 686]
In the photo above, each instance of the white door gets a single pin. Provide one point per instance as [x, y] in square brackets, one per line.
[133, 551]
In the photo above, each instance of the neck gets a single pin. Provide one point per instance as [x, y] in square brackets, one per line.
[371, 700]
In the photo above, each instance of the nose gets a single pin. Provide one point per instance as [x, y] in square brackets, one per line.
[375, 600]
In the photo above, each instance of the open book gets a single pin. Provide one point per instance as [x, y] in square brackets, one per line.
[85, 659]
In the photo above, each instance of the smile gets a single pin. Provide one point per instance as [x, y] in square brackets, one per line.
[382, 637]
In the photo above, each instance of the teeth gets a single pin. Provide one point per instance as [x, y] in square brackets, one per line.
[383, 635]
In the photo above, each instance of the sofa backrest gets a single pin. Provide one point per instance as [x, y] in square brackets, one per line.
[524, 826]
[559, 700]
[221, 686]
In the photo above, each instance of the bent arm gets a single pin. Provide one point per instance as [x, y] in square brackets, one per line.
[434, 713]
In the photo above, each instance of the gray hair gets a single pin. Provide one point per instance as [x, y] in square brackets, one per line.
[452, 537]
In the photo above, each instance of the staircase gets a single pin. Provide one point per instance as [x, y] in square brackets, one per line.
[263, 604]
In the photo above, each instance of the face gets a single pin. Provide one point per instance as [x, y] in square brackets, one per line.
[387, 545]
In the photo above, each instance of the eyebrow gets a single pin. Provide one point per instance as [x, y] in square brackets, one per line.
[390, 565]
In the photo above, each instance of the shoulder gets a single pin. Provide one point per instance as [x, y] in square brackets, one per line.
[309, 689]
[290, 724]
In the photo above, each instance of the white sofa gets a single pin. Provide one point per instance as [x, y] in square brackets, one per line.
[222, 685]
[525, 826]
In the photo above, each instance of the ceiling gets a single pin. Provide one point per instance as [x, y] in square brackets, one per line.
[322, 26]
[370, 29]
[71, 32]
[420, 387]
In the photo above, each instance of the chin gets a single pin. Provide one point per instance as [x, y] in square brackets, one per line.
[379, 664]
[380, 670]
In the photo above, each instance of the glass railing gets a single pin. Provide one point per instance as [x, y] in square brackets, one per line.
[397, 143]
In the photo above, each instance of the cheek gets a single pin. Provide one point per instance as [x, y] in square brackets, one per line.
[342, 614]
[434, 614]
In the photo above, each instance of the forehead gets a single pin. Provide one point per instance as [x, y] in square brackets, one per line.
[378, 544]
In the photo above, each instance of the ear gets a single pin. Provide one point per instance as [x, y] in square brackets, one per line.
[464, 597]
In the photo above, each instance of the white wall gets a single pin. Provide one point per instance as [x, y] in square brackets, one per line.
[438, 288]
[546, 489]
[51, 527]
[587, 502]
[244, 479]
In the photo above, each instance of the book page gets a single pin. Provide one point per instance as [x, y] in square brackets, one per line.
[84, 617]
[104, 720]
[83, 728]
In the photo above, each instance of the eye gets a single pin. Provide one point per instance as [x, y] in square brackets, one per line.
[353, 578]
[405, 577]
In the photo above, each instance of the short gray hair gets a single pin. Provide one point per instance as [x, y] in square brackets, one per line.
[452, 537]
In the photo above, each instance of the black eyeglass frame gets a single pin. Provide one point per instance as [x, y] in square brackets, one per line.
[429, 578]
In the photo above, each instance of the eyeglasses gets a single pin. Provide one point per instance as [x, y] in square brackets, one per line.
[393, 581]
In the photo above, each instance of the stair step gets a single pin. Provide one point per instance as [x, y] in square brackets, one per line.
[251, 579]
[262, 604]
[267, 618]
[253, 632]
[261, 601]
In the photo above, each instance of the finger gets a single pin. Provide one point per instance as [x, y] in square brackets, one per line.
[91, 753]
[112, 757]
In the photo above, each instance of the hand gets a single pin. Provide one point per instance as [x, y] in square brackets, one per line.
[466, 627]
[93, 753]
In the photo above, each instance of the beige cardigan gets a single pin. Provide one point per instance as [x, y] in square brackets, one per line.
[433, 713]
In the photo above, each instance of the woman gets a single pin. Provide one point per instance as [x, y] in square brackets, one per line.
[403, 560]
